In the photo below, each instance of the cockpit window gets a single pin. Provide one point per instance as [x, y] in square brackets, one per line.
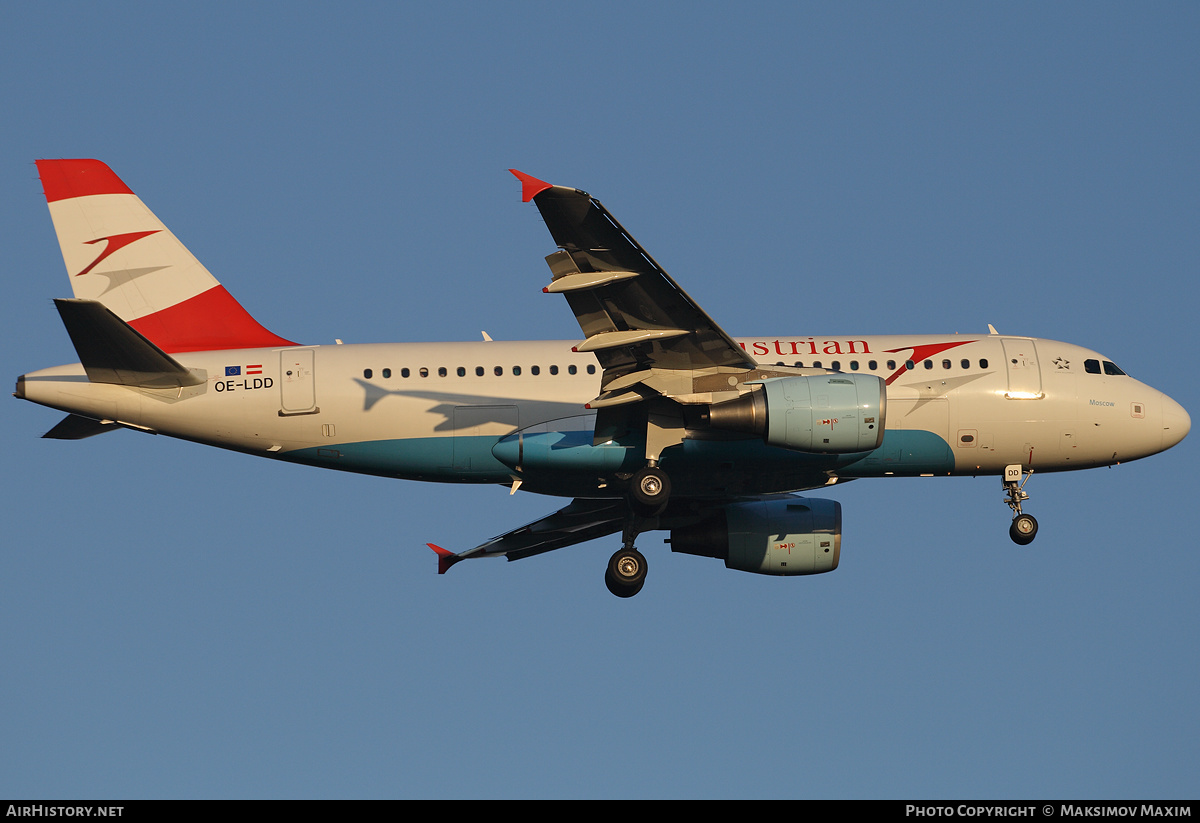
[1094, 367]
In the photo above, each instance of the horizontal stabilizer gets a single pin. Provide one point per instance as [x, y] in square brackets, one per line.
[74, 427]
[112, 351]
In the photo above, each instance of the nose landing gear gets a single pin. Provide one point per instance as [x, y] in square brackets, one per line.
[1024, 527]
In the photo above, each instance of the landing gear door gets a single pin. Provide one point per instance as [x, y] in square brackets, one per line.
[1024, 376]
[298, 392]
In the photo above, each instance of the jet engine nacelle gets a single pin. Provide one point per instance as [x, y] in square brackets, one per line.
[826, 414]
[785, 537]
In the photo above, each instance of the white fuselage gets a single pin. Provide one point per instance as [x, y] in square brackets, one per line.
[434, 411]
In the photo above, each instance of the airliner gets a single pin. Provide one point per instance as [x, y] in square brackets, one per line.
[656, 419]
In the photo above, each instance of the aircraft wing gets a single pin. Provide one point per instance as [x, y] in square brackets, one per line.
[633, 315]
[580, 521]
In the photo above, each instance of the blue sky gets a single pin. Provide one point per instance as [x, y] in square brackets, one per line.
[178, 621]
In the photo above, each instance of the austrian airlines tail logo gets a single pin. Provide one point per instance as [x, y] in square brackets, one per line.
[115, 243]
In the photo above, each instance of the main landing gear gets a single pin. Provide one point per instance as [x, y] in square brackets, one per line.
[649, 491]
[1024, 527]
[626, 572]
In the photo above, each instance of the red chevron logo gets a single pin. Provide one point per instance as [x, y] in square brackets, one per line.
[114, 243]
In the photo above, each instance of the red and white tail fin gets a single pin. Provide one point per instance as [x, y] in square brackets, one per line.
[118, 253]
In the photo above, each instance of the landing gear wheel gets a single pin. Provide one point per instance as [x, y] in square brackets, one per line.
[626, 573]
[1023, 529]
[649, 490]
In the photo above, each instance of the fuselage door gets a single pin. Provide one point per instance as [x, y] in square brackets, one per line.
[1024, 376]
[297, 385]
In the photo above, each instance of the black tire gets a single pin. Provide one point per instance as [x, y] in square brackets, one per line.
[1023, 529]
[626, 573]
[649, 491]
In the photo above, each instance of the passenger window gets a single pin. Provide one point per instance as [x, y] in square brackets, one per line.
[891, 365]
[387, 372]
[591, 368]
[441, 371]
[535, 370]
[572, 369]
[816, 364]
[853, 365]
[836, 365]
[462, 372]
[424, 372]
[1111, 368]
[405, 372]
[1091, 366]
[554, 369]
[945, 364]
[929, 364]
[872, 365]
[983, 364]
[367, 373]
[479, 371]
[499, 370]
[910, 365]
[966, 364]
[516, 370]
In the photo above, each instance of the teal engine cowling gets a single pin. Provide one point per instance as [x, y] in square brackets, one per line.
[824, 414]
[789, 536]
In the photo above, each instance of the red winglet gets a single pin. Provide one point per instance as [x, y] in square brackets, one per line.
[531, 187]
[446, 558]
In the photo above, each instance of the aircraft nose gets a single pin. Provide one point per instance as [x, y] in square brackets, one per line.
[1176, 422]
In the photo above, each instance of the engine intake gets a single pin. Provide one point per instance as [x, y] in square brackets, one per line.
[825, 414]
[785, 537]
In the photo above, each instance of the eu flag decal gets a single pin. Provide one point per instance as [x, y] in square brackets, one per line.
[233, 371]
